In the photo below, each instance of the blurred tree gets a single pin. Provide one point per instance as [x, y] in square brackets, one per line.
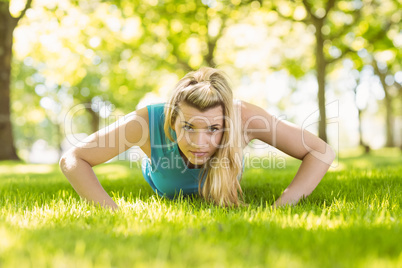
[389, 117]
[7, 25]
[360, 111]
[386, 58]
[31, 121]
[331, 21]
[79, 55]
[377, 42]
[105, 56]
[179, 35]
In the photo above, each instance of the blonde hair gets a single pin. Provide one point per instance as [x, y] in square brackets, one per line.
[204, 89]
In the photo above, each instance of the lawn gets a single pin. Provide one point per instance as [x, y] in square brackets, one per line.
[352, 219]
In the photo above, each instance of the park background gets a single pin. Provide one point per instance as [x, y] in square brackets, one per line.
[78, 66]
[69, 68]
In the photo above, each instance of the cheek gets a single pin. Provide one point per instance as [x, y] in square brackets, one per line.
[182, 142]
[216, 139]
[179, 133]
[183, 138]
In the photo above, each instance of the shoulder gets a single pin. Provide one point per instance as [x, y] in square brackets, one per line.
[139, 113]
[255, 119]
[156, 106]
[144, 116]
[153, 109]
[250, 112]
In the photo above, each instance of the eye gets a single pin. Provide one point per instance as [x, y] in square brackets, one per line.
[213, 129]
[187, 127]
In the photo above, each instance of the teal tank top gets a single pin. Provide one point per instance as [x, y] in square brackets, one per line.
[167, 172]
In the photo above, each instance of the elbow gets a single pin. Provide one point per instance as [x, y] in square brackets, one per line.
[62, 162]
[69, 166]
[326, 156]
[332, 153]
[329, 155]
[67, 162]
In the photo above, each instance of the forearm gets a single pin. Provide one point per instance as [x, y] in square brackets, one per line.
[309, 175]
[84, 181]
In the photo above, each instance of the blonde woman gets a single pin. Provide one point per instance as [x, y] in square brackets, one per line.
[194, 144]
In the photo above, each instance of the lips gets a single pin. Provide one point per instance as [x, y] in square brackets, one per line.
[198, 153]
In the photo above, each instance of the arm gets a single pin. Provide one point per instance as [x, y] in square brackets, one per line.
[77, 163]
[316, 155]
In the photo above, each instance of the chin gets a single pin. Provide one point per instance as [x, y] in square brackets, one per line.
[198, 161]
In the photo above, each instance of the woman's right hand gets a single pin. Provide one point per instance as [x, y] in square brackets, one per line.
[103, 145]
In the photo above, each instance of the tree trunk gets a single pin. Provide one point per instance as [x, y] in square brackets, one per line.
[389, 120]
[59, 131]
[7, 26]
[388, 108]
[361, 141]
[400, 131]
[212, 42]
[209, 58]
[359, 121]
[95, 120]
[321, 71]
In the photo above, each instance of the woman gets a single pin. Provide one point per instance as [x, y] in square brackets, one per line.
[194, 143]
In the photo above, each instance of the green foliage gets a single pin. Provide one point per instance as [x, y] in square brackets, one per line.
[352, 219]
[111, 52]
[115, 52]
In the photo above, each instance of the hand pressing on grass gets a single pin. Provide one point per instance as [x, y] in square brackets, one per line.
[77, 163]
[312, 169]
[84, 181]
[316, 155]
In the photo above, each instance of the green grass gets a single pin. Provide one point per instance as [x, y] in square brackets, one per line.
[352, 219]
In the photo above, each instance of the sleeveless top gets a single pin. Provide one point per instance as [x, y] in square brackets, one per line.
[167, 172]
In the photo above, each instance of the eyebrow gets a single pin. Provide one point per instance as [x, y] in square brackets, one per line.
[193, 125]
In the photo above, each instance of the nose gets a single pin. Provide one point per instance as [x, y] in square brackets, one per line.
[200, 140]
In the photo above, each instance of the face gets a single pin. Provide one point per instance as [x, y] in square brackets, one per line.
[198, 132]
